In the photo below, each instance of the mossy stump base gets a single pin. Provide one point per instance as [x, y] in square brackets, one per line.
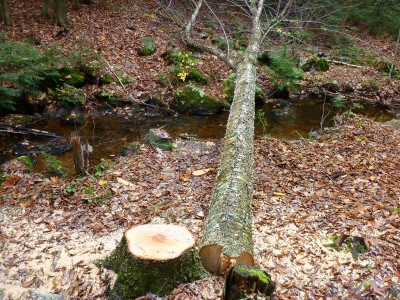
[153, 258]
[243, 281]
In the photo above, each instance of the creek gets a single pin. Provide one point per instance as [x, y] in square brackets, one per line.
[109, 133]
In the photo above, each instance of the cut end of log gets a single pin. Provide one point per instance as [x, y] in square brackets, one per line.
[158, 241]
[216, 262]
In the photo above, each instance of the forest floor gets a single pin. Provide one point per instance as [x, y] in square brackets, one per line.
[306, 192]
[345, 182]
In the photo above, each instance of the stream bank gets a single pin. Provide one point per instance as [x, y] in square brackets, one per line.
[110, 132]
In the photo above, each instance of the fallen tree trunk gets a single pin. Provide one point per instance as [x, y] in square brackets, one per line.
[153, 258]
[9, 129]
[227, 235]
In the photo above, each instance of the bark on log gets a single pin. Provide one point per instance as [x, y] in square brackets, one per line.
[153, 258]
[227, 235]
[342, 63]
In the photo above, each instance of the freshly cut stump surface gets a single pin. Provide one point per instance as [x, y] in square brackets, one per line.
[159, 241]
[153, 258]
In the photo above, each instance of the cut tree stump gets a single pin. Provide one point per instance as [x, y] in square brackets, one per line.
[153, 258]
[243, 282]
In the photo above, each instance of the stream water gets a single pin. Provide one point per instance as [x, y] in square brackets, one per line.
[108, 134]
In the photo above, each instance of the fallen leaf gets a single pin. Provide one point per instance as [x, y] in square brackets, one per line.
[11, 180]
[102, 181]
[279, 194]
[202, 172]
[124, 182]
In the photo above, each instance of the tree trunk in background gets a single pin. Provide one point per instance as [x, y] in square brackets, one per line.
[4, 13]
[80, 162]
[61, 12]
[45, 9]
[227, 233]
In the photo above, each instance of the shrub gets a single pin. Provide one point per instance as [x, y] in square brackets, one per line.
[185, 63]
[284, 72]
[69, 96]
[27, 70]
[24, 69]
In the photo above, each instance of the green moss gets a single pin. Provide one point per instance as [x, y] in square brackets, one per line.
[316, 64]
[123, 77]
[242, 279]
[194, 100]
[367, 284]
[32, 40]
[106, 79]
[197, 77]
[156, 142]
[395, 209]
[148, 46]
[260, 274]
[27, 162]
[321, 65]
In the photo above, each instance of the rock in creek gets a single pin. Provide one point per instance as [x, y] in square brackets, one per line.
[159, 138]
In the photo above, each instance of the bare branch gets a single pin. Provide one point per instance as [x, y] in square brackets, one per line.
[187, 39]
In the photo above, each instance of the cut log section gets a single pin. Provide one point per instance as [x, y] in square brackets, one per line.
[153, 258]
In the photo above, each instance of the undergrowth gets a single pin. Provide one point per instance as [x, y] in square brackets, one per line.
[27, 71]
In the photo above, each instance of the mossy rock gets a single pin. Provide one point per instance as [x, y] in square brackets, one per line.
[321, 65]
[197, 77]
[27, 162]
[72, 77]
[331, 86]
[315, 64]
[148, 46]
[194, 100]
[159, 138]
[123, 77]
[228, 89]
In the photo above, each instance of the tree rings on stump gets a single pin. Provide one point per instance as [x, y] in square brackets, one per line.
[153, 258]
